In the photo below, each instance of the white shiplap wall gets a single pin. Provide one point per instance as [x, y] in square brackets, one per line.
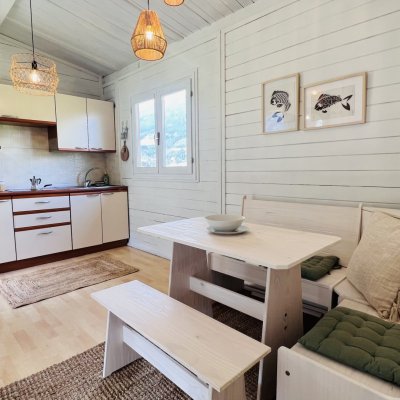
[322, 40]
[158, 200]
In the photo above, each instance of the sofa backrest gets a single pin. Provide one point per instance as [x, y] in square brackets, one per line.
[340, 221]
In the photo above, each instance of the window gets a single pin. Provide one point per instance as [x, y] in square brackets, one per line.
[163, 131]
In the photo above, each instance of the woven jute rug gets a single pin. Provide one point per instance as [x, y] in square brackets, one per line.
[80, 377]
[30, 286]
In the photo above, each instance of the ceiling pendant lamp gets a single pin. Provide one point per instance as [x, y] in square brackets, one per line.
[32, 73]
[174, 3]
[148, 40]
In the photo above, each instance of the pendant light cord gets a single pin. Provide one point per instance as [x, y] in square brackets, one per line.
[33, 43]
[148, 5]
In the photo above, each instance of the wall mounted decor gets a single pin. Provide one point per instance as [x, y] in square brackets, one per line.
[340, 101]
[124, 137]
[281, 104]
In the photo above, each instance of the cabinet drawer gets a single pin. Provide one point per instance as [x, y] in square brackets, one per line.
[40, 203]
[38, 219]
[39, 242]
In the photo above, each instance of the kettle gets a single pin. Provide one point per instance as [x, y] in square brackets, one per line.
[34, 182]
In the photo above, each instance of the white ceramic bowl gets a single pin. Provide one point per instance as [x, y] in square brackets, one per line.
[225, 222]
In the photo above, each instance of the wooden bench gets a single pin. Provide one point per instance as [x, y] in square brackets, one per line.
[202, 356]
[320, 218]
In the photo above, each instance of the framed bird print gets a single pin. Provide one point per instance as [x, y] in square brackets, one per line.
[281, 104]
[341, 101]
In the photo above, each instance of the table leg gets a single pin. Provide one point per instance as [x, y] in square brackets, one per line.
[282, 325]
[189, 261]
[117, 354]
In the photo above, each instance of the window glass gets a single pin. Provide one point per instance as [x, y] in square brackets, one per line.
[146, 128]
[175, 136]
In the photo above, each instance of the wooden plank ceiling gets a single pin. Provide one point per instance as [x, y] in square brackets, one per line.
[95, 34]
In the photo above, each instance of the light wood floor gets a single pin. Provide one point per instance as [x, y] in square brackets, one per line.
[36, 336]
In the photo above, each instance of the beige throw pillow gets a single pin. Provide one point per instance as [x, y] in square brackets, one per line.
[374, 268]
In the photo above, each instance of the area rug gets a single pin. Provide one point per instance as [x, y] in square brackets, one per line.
[79, 378]
[30, 286]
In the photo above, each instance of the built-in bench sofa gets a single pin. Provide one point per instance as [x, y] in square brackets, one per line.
[305, 374]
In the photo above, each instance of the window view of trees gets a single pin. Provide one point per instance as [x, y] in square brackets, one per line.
[146, 116]
[175, 129]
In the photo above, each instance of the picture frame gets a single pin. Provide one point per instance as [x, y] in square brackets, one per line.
[280, 108]
[336, 102]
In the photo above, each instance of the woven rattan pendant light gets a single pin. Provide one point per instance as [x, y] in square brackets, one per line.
[174, 3]
[32, 73]
[148, 40]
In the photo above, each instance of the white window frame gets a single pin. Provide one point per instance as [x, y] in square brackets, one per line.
[161, 172]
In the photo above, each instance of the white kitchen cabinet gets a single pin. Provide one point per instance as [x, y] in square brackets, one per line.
[115, 216]
[101, 126]
[72, 129]
[39, 242]
[86, 220]
[14, 104]
[7, 240]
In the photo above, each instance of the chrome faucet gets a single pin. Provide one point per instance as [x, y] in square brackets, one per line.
[88, 182]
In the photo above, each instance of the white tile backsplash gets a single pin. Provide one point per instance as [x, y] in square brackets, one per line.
[25, 152]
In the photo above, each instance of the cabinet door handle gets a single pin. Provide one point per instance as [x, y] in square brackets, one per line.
[4, 201]
[45, 233]
[92, 195]
[96, 148]
[80, 148]
[46, 217]
[42, 202]
[107, 194]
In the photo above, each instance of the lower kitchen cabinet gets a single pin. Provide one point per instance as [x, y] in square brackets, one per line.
[115, 216]
[39, 242]
[86, 220]
[7, 241]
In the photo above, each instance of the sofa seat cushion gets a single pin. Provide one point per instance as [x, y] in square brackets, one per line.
[316, 267]
[346, 291]
[356, 339]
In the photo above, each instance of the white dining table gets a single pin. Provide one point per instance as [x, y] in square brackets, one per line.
[275, 253]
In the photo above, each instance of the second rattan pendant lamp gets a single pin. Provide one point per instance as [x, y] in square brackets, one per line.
[148, 40]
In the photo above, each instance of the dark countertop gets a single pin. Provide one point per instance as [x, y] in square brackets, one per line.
[51, 191]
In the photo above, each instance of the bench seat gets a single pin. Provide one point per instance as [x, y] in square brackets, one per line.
[201, 355]
[320, 373]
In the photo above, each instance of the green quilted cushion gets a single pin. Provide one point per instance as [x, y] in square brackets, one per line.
[358, 340]
[316, 267]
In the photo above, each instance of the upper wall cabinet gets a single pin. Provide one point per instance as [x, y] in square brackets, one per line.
[83, 125]
[101, 125]
[15, 105]
[71, 123]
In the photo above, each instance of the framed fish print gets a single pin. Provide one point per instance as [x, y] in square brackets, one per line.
[281, 104]
[341, 101]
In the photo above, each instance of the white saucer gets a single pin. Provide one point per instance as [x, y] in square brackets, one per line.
[238, 231]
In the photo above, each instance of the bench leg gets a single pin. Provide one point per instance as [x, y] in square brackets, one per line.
[236, 391]
[282, 325]
[189, 261]
[117, 354]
